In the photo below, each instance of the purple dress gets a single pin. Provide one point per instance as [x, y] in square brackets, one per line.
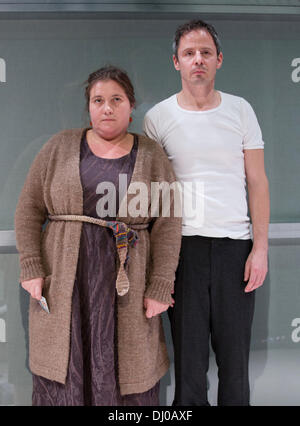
[92, 371]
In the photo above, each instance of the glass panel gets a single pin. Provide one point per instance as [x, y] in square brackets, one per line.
[276, 331]
[275, 348]
[46, 63]
[15, 377]
[43, 65]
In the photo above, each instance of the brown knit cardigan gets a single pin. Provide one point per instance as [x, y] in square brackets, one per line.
[53, 187]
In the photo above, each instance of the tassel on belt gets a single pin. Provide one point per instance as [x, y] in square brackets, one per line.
[124, 236]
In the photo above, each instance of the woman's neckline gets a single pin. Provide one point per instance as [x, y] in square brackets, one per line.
[111, 159]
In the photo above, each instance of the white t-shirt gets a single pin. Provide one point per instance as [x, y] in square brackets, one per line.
[206, 149]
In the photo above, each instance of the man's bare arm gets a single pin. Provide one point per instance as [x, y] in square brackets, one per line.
[256, 267]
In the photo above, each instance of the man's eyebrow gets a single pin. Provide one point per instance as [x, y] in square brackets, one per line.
[201, 48]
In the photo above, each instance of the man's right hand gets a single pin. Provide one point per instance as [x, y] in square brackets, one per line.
[34, 287]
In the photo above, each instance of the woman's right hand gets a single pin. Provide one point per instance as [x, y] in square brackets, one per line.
[34, 287]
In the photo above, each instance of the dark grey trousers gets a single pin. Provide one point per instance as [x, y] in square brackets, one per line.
[210, 303]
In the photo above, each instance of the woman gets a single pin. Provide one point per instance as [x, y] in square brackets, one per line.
[105, 270]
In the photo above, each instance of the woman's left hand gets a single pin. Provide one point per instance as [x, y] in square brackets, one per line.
[153, 307]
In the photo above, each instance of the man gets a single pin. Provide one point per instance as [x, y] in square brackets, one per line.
[215, 145]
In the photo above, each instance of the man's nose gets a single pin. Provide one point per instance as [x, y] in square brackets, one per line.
[198, 58]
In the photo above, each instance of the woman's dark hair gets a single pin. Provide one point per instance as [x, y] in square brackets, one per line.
[110, 72]
[195, 24]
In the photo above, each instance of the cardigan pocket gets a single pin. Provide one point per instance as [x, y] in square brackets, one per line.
[47, 281]
[45, 292]
[46, 286]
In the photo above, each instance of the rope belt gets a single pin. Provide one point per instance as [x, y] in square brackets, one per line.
[124, 236]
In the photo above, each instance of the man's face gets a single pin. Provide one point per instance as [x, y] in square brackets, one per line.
[197, 57]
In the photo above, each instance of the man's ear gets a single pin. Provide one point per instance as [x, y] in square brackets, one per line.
[220, 60]
[176, 63]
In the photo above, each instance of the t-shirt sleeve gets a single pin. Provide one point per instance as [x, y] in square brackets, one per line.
[151, 125]
[252, 136]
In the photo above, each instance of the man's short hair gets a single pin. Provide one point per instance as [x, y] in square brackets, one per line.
[195, 24]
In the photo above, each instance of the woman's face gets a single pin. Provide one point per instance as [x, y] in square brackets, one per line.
[109, 109]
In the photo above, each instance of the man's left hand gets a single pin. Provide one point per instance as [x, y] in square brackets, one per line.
[256, 269]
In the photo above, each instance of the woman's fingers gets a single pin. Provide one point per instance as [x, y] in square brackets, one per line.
[34, 287]
[153, 307]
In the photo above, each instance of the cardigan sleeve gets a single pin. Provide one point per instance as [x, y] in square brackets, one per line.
[165, 235]
[30, 215]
